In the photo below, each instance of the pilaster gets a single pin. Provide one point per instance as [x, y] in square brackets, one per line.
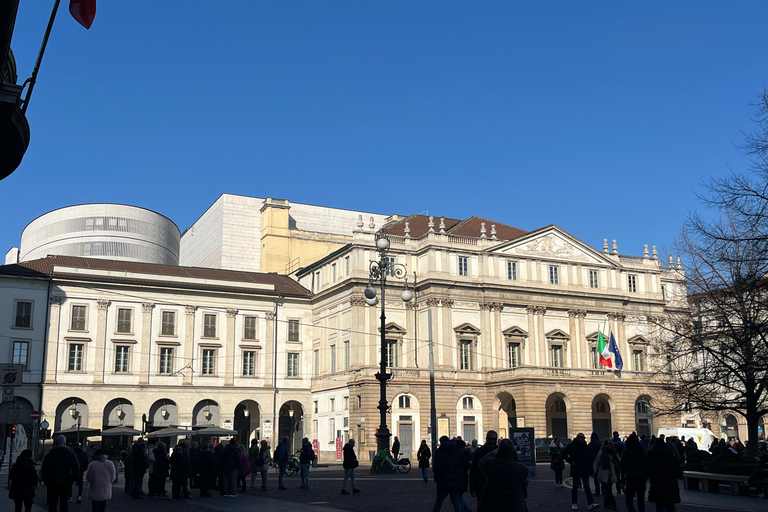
[53, 340]
[189, 342]
[531, 349]
[99, 369]
[145, 344]
[542, 342]
[269, 350]
[229, 353]
[448, 338]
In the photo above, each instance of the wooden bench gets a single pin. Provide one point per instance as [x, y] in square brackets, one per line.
[692, 481]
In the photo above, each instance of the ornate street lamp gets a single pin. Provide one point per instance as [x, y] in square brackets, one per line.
[379, 270]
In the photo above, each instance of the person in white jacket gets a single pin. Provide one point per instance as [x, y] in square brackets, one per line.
[101, 474]
[606, 468]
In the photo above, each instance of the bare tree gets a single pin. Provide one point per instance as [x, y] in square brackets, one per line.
[717, 349]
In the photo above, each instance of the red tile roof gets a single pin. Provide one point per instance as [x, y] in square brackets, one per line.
[231, 279]
[419, 226]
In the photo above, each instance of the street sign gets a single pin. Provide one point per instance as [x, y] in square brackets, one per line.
[34, 415]
[13, 416]
[266, 430]
[8, 394]
[11, 374]
[44, 425]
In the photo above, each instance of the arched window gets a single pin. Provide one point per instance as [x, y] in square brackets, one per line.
[404, 402]
[468, 402]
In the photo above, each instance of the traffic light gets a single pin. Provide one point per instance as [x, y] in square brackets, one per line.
[13, 431]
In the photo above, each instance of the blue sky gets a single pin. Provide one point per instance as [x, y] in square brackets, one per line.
[600, 117]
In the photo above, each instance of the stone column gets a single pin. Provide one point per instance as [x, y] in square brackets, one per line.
[189, 343]
[497, 347]
[448, 338]
[269, 353]
[358, 341]
[542, 341]
[99, 369]
[486, 338]
[583, 350]
[53, 342]
[573, 344]
[229, 353]
[531, 348]
[411, 345]
[145, 344]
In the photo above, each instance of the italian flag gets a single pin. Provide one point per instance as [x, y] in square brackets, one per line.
[602, 351]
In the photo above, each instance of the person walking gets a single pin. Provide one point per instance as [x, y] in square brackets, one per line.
[578, 455]
[634, 473]
[82, 462]
[448, 466]
[619, 445]
[506, 480]
[139, 464]
[306, 456]
[59, 472]
[395, 449]
[160, 470]
[265, 458]
[254, 458]
[349, 464]
[663, 472]
[245, 469]
[462, 447]
[476, 477]
[206, 470]
[100, 475]
[606, 467]
[423, 456]
[557, 463]
[594, 448]
[181, 468]
[23, 477]
[281, 457]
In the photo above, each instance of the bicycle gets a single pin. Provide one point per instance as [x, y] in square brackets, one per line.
[291, 467]
[381, 466]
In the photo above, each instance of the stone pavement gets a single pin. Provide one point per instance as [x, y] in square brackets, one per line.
[385, 493]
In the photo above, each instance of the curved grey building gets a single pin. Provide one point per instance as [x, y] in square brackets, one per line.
[112, 231]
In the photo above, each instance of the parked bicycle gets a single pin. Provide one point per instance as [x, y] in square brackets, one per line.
[291, 468]
[386, 464]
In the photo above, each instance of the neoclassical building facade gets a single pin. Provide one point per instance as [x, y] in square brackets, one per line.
[515, 318]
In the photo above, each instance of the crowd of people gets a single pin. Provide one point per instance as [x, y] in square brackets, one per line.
[490, 472]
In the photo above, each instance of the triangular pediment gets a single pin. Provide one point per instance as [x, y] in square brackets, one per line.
[557, 334]
[638, 340]
[515, 331]
[467, 328]
[552, 243]
[393, 328]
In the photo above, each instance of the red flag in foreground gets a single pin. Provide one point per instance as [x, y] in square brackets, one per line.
[83, 11]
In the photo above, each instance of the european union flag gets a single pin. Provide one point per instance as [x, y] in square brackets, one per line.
[613, 347]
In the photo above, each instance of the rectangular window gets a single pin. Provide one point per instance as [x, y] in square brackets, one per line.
[346, 355]
[390, 265]
[316, 363]
[249, 328]
[23, 317]
[463, 266]
[347, 265]
[593, 279]
[333, 273]
[121, 358]
[514, 354]
[75, 357]
[465, 349]
[209, 326]
[512, 270]
[391, 354]
[595, 358]
[166, 360]
[20, 353]
[293, 330]
[168, 327]
[124, 320]
[317, 280]
[556, 352]
[249, 363]
[333, 358]
[637, 360]
[346, 403]
[293, 364]
[554, 274]
[316, 407]
[78, 318]
[632, 283]
[332, 404]
[209, 361]
[663, 293]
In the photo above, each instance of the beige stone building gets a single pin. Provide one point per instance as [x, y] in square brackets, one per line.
[515, 318]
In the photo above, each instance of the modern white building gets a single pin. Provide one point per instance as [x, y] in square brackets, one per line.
[112, 231]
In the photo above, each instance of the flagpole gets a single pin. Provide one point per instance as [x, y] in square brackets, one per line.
[33, 78]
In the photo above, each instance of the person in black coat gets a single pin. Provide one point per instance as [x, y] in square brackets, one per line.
[396, 449]
[634, 473]
[578, 455]
[594, 448]
[350, 463]
[59, 471]
[82, 462]
[23, 478]
[476, 477]
[423, 455]
[206, 464]
[162, 466]
[139, 464]
[181, 468]
[449, 466]
[663, 471]
[506, 480]
[230, 465]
